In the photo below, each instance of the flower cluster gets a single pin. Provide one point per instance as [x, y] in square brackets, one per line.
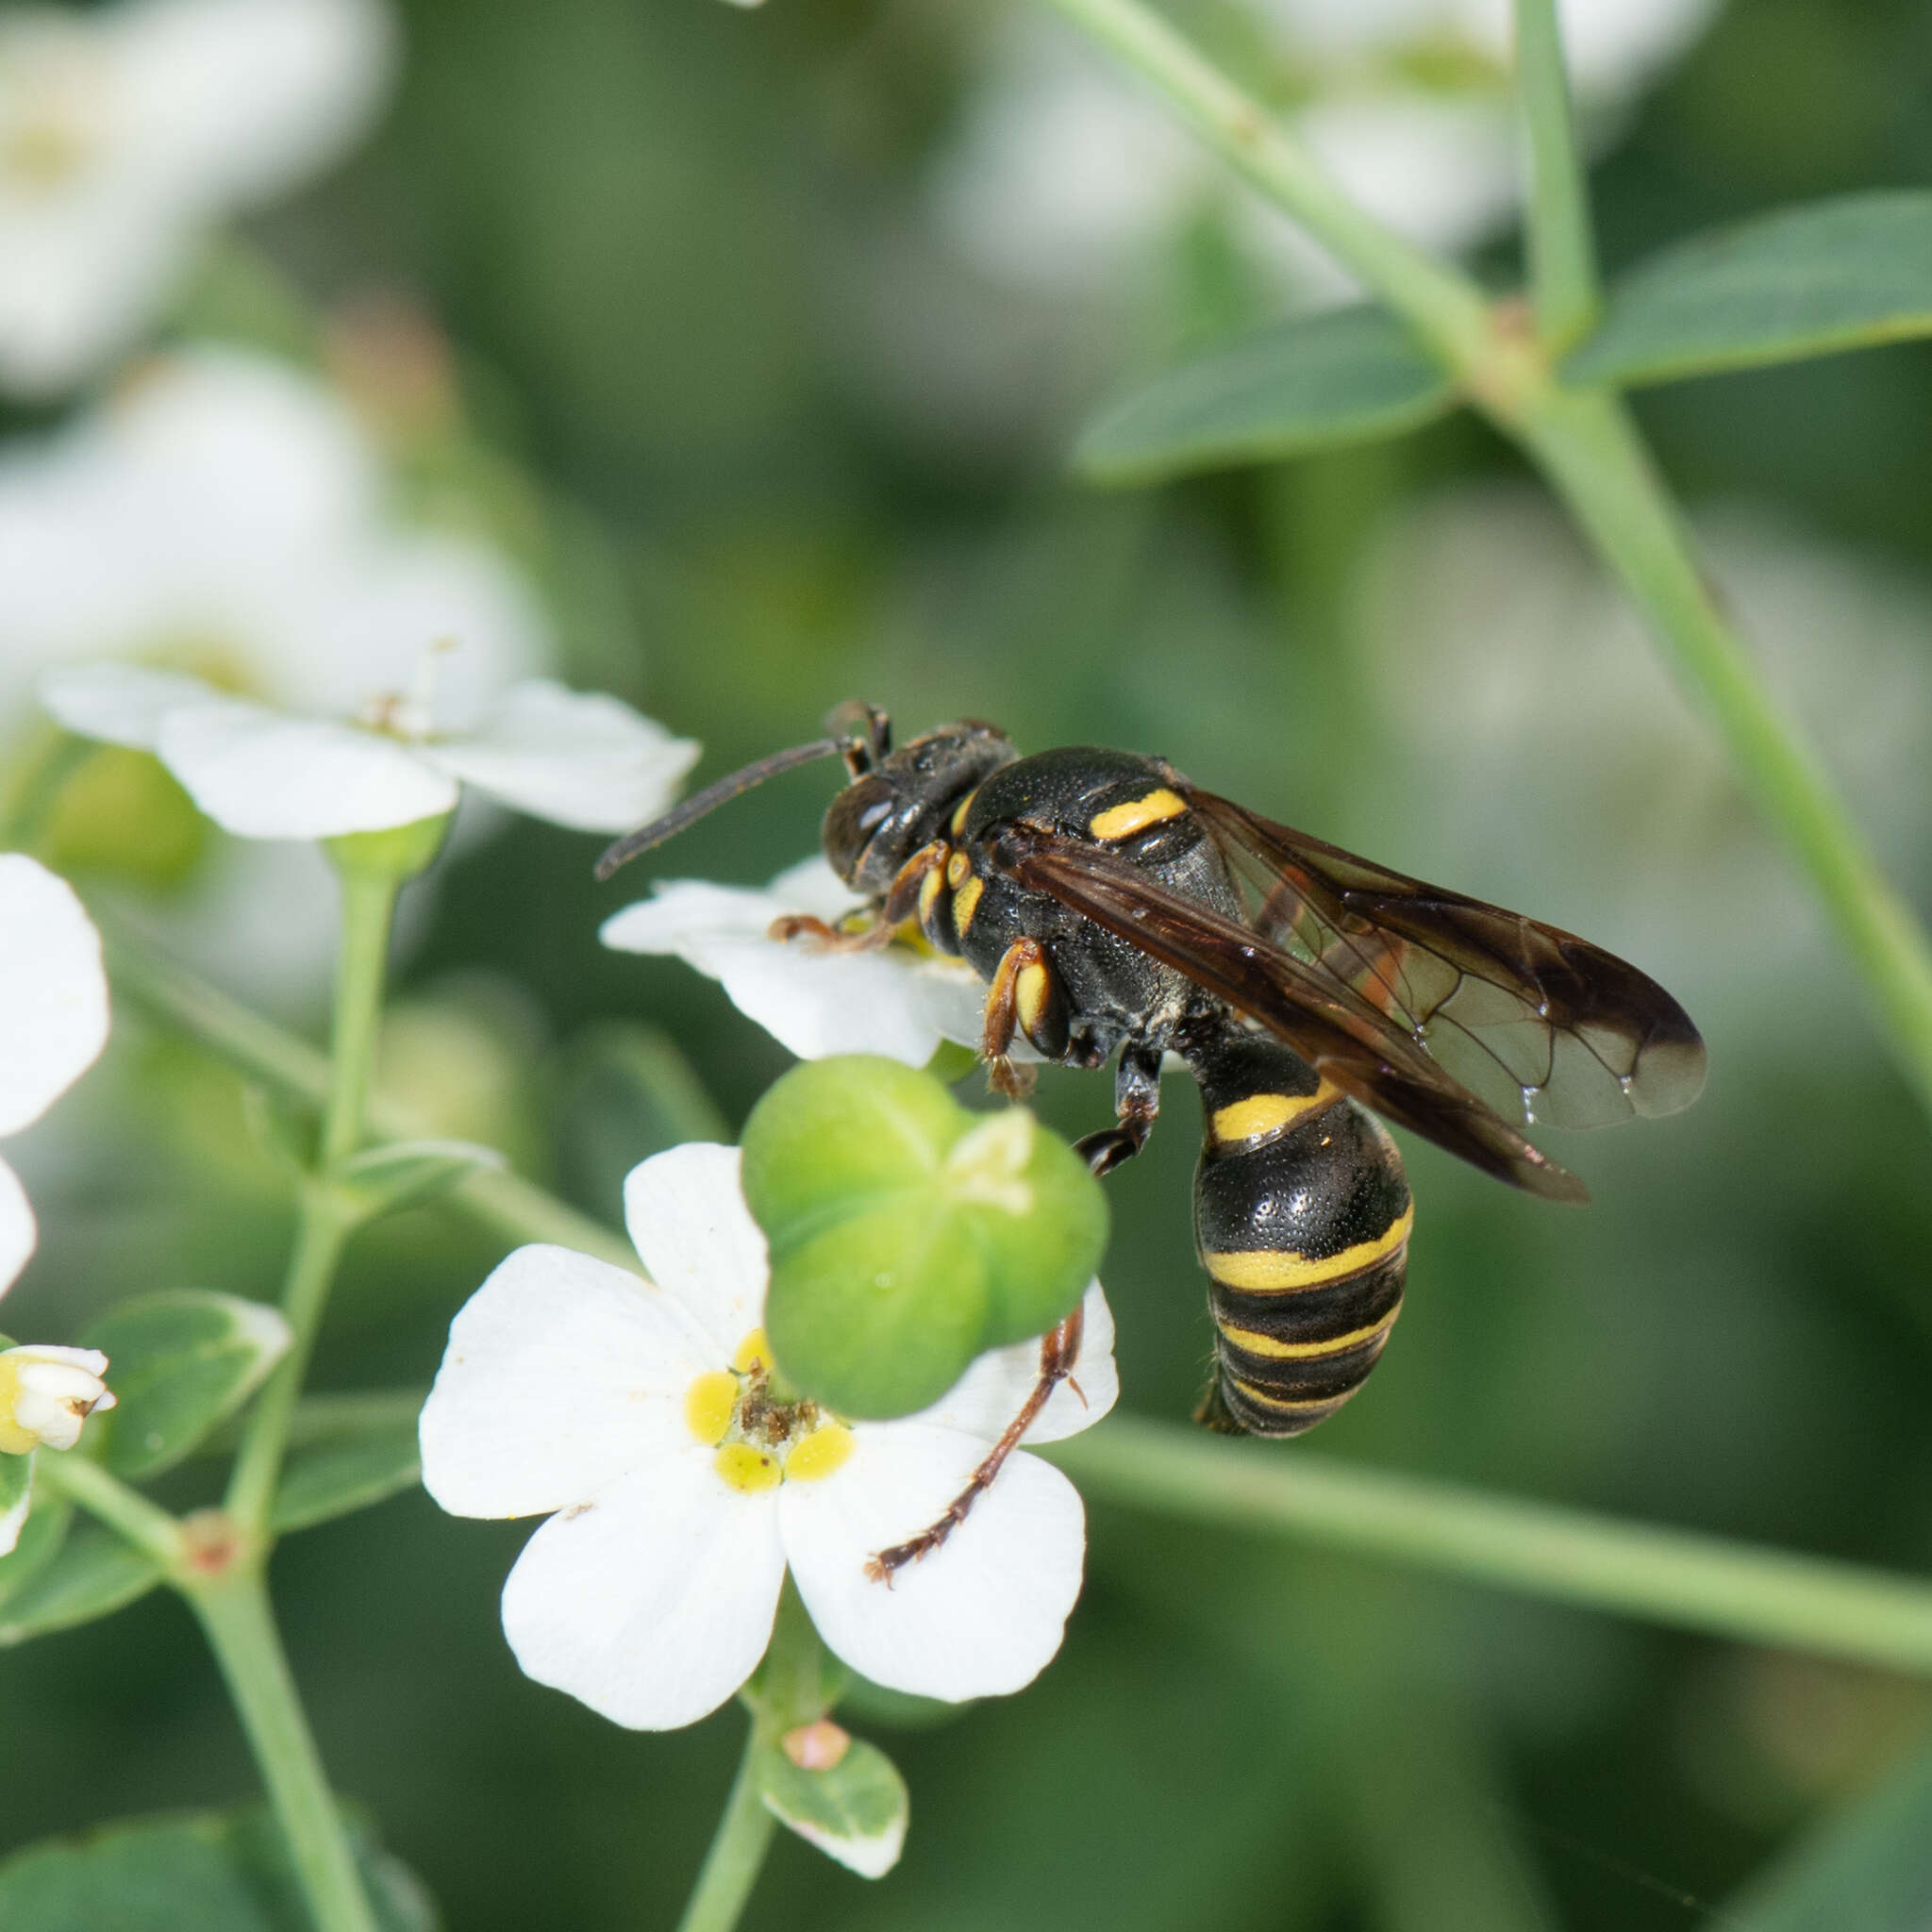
[681, 1483]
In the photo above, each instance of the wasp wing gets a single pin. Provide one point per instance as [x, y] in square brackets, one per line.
[1355, 1044]
[1541, 1023]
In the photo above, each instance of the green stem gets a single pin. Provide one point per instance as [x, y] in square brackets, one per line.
[1669, 1576]
[738, 1849]
[236, 1615]
[1596, 460]
[321, 1227]
[1444, 307]
[126, 1511]
[1562, 254]
[369, 903]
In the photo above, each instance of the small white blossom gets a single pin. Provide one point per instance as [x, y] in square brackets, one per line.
[635, 1411]
[46, 1393]
[53, 1020]
[577, 758]
[125, 133]
[900, 1000]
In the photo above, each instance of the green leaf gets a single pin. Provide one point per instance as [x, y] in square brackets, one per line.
[404, 1174]
[211, 1872]
[1803, 282]
[907, 1235]
[95, 1573]
[854, 1812]
[40, 1539]
[334, 1478]
[180, 1362]
[1865, 1867]
[1314, 382]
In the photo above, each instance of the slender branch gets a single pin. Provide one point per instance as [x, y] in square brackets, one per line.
[240, 1625]
[369, 903]
[1562, 251]
[1443, 306]
[124, 1511]
[1665, 1576]
[503, 1203]
[738, 1849]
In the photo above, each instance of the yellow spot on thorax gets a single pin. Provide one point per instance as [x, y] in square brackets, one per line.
[1137, 815]
[958, 822]
[1264, 1113]
[957, 869]
[1262, 1271]
[749, 1470]
[709, 1403]
[753, 1351]
[965, 904]
[825, 1449]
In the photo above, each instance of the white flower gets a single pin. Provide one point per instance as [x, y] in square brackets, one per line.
[631, 1410]
[579, 759]
[53, 1020]
[128, 132]
[222, 512]
[899, 1001]
[46, 1393]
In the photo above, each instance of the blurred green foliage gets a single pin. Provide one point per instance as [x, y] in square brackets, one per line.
[791, 452]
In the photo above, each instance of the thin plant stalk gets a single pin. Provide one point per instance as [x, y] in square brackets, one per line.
[1562, 247]
[731, 1867]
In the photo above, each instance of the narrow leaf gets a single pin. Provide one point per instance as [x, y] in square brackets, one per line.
[214, 1872]
[95, 1573]
[1803, 282]
[180, 1362]
[1315, 382]
[331, 1479]
[1865, 1867]
[405, 1174]
[40, 1539]
[854, 1812]
[16, 1497]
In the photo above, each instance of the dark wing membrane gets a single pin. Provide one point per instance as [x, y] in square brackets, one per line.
[1543, 1025]
[1357, 1046]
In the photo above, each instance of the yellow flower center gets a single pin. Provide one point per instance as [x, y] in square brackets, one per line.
[14, 1440]
[760, 1442]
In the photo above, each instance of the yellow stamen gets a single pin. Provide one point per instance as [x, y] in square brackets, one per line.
[754, 1352]
[709, 1403]
[747, 1469]
[821, 1451]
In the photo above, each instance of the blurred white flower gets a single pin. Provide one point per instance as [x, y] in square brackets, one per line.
[222, 513]
[128, 131]
[637, 1413]
[1064, 174]
[46, 1393]
[53, 1020]
[900, 1000]
[576, 759]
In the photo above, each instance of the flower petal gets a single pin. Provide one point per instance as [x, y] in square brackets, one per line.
[654, 1604]
[991, 1394]
[813, 1002]
[262, 775]
[578, 759]
[53, 991]
[18, 1233]
[979, 1617]
[122, 703]
[562, 1375]
[686, 1218]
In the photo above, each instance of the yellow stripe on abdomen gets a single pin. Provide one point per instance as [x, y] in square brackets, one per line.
[1266, 1113]
[1281, 1270]
[1252, 1341]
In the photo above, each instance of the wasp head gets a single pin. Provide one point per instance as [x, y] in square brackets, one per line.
[903, 800]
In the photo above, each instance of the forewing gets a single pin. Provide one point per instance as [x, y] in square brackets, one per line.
[1340, 1033]
[1543, 1025]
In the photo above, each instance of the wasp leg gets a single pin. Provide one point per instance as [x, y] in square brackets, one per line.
[898, 906]
[1136, 1102]
[1060, 1348]
[1026, 996]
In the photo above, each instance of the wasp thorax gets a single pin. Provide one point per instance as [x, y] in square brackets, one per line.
[881, 819]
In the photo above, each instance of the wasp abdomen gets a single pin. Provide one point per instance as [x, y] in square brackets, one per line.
[1302, 1217]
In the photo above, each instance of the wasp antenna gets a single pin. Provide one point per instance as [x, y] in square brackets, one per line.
[709, 799]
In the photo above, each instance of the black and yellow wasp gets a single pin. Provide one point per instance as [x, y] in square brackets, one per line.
[1114, 908]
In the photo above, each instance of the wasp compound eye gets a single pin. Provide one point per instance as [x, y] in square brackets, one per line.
[854, 820]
